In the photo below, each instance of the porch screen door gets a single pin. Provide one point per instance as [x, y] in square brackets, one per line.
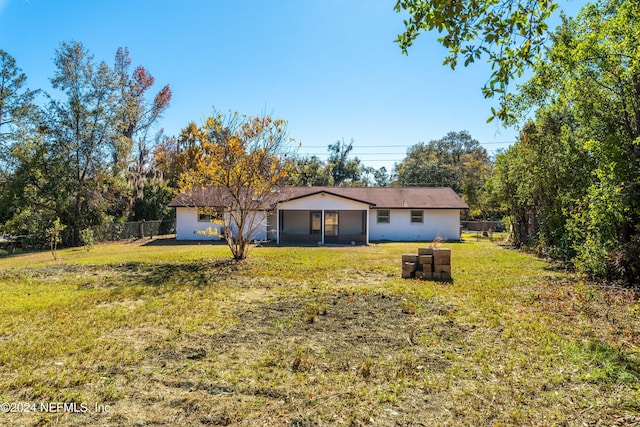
[331, 227]
[316, 222]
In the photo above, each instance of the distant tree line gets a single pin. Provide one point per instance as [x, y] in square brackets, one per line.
[91, 152]
[569, 187]
[82, 154]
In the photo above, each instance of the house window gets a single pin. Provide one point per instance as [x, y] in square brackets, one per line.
[316, 222]
[210, 215]
[417, 216]
[384, 216]
[206, 218]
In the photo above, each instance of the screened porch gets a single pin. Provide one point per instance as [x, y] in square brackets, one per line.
[323, 227]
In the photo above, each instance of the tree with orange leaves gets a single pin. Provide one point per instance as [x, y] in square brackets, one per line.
[137, 115]
[175, 155]
[243, 159]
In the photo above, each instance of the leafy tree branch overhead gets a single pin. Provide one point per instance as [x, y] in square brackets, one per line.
[508, 34]
[572, 181]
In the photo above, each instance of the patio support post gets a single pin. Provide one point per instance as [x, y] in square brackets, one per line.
[278, 226]
[322, 227]
[366, 224]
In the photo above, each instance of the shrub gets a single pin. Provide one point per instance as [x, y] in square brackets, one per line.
[87, 238]
[54, 233]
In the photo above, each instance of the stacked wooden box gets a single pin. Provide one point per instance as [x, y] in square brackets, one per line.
[429, 263]
[409, 265]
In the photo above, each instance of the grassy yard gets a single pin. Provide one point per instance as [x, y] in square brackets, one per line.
[177, 335]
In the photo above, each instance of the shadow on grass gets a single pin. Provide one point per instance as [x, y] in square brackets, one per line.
[172, 241]
[197, 274]
[16, 252]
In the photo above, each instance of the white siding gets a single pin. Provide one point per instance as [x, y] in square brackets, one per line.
[189, 228]
[443, 223]
[322, 201]
[260, 225]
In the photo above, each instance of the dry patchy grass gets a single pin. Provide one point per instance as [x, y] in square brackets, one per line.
[179, 335]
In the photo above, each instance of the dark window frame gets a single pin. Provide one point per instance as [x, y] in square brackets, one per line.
[207, 216]
[380, 219]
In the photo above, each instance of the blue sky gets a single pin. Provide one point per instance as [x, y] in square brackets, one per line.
[328, 67]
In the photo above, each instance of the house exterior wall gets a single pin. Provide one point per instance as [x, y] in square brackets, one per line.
[189, 228]
[443, 223]
[321, 201]
[272, 225]
[295, 226]
[260, 232]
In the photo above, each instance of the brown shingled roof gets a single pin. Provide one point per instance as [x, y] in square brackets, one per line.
[393, 197]
[199, 197]
[379, 197]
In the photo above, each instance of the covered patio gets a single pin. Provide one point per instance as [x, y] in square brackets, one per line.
[322, 227]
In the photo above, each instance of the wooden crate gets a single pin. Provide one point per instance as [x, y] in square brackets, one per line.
[442, 269]
[409, 266]
[426, 262]
[409, 258]
[425, 251]
[442, 256]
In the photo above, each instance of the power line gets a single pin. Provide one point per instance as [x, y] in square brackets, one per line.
[399, 146]
[366, 155]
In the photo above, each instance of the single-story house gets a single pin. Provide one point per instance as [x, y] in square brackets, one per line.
[336, 215]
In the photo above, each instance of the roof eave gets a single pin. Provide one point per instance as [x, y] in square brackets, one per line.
[422, 207]
[315, 193]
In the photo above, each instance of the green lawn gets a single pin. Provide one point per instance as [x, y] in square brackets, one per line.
[158, 334]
